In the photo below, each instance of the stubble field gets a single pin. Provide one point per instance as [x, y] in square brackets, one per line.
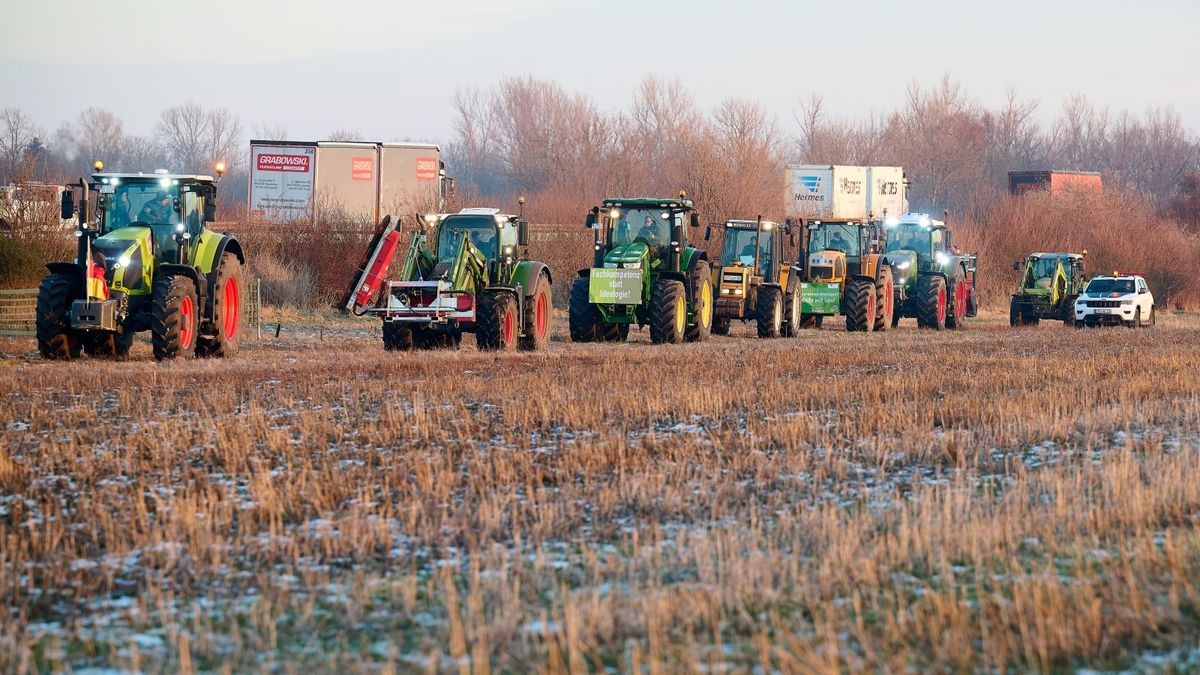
[976, 500]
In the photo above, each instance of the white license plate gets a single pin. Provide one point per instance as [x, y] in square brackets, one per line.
[1104, 311]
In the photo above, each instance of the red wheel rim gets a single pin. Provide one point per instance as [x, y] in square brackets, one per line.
[187, 314]
[541, 316]
[960, 300]
[510, 327]
[889, 301]
[941, 304]
[231, 309]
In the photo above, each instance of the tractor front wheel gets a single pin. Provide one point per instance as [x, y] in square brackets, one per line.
[55, 338]
[668, 311]
[1015, 319]
[397, 337]
[227, 302]
[583, 318]
[702, 303]
[956, 293]
[931, 302]
[770, 312]
[791, 324]
[860, 305]
[174, 317]
[538, 310]
[496, 321]
[109, 345]
[885, 300]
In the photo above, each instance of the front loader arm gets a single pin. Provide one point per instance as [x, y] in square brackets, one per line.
[470, 270]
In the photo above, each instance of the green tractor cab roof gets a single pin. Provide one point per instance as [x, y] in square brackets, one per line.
[501, 218]
[676, 203]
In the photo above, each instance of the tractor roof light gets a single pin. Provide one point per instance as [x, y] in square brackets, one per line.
[219, 168]
[98, 165]
[614, 213]
[891, 221]
[768, 226]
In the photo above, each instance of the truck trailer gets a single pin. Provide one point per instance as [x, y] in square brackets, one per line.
[1055, 183]
[845, 192]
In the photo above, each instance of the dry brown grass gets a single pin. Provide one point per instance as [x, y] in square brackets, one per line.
[982, 500]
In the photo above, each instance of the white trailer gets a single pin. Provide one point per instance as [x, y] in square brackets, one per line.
[837, 192]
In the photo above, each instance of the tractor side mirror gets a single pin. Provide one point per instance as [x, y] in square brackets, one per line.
[522, 232]
[210, 210]
[1016, 265]
[590, 221]
[707, 232]
[694, 219]
[68, 204]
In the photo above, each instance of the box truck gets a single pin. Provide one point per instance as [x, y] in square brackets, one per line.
[824, 191]
[289, 180]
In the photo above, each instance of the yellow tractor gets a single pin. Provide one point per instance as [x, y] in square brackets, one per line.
[846, 273]
[753, 280]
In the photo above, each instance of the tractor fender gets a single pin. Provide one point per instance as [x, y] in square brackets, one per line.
[691, 256]
[193, 273]
[526, 275]
[678, 276]
[67, 269]
[212, 246]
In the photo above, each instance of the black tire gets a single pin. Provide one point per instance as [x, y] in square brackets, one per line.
[818, 321]
[1137, 318]
[701, 303]
[108, 345]
[397, 337]
[228, 306]
[583, 318]
[496, 321]
[769, 313]
[1151, 324]
[859, 305]
[791, 319]
[55, 338]
[616, 332]
[954, 318]
[668, 311]
[931, 302]
[885, 296]
[539, 311]
[1015, 319]
[174, 317]
[721, 325]
[808, 321]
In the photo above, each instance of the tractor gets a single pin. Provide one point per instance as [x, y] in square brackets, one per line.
[846, 273]
[753, 280]
[934, 283]
[1050, 283]
[643, 272]
[462, 273]
[146, 260]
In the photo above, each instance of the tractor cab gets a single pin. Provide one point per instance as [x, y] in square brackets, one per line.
[485, 235]
[836, 247]
[1049, 285]
[919, 240]
[752, 244]
[634, 232]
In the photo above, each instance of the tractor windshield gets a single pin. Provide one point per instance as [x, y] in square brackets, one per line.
[481, 230]
[1042, 272]
[913, 238]
[639, 225]
[140, 203]
[740, 247]
[834, 237]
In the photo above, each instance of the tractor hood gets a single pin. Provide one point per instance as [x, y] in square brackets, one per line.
[633, 252]
[903, 263]
[126, 256]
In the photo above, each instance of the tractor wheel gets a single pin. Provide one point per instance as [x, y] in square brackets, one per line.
[496, 321]
[956, 294]
[859, 305]
[931, 302]
[1015, 319]
[227, 301]
[885, 300]
[583, 318]
[770, 312]
[108, 345]
[55, 338]
[721, 325]
[397, 337]
[702, 303]
[616, 332]
[791, 319]
[808, 321]
[538, 310]
[174, 317]
[668, 311]
[895, 317]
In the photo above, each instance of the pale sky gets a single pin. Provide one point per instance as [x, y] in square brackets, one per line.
[389, 69]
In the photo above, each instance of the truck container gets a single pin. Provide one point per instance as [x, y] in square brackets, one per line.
[1055, 183]
[824, 191]
[358, 180]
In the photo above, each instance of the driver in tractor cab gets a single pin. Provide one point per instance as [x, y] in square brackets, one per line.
[839, 243]
[650, 234]
[157, 210]
[485, 241]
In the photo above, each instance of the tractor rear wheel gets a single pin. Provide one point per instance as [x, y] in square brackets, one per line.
[931, 302]
[770, 312]
[859, 305]
[721, 325]
[227, 303]
[397, 337]
[702, 303]
[496, 321]
[956, 294]
[668, 311]
[108, 345]
[174, 317]
[538, 310]
[885, 300]
[55, 338]
[583, 318]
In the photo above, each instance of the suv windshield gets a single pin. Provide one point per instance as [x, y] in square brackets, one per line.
[648, 227]
[834, 237]
[1110, 285]
[143, 203]
[481, 229]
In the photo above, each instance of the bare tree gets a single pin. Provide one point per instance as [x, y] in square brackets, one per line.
[267, 131]
[17, 135]
[344, 135]
[96, 134]
[196, 138]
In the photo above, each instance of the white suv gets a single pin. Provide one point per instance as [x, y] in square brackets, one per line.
[1119, 299]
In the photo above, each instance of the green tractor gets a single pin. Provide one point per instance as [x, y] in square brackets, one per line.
[1050, 283]
[146, 261]
[846, 273]
[643, 272]
[753, 280]
[462, 273]
[934, 283]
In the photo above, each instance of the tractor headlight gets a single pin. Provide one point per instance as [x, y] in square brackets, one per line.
[180, 228]
[904, 265]
[633, 266]
[509, 250]
[941, 257]
[123, 261]
[611, 265]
